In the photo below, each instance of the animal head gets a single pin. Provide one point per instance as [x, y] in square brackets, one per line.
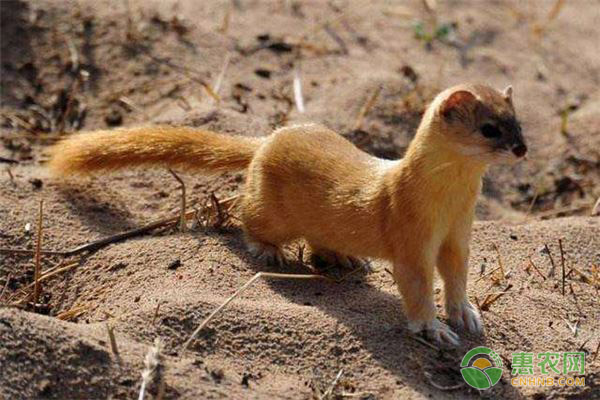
[480, 122]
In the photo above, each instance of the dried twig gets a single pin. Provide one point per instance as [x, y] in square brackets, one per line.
[97, 244]
[390, 273]
[301, 254]
[59, 269]
[597, 351]
[500, 264]
[266, 275]
[552, 270]
[11, 177]
[188, 72]
[5, 286]
[536, 268]
[8, 160]
[221, 76]
[130, 104]
[216, 206]
[38, 248]
[538, 28]
[575, 298]
[561, 210]
[492, 297]
[156, 312]
[596, 208]
[533, 200]
[337, 38]
[562, 263]
[367, 107]
[487, 274]
[182, 217]
[113, 341]
[72, 313]
[585, 277]
[334, 383]
[480, 310]
[226, 19]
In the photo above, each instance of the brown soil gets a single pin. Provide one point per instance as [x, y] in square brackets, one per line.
[69, 65]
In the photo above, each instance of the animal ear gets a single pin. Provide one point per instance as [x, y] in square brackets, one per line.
[458, 100]
[507, 93]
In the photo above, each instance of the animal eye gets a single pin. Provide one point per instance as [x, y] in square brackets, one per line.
[490, 131]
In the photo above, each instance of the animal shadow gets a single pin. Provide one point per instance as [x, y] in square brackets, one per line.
[375, 318]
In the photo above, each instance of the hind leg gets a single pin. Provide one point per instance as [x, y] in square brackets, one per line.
[265, 227]
[265, 237]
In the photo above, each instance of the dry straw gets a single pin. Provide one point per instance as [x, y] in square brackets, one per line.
[38, 249]
[152, 367]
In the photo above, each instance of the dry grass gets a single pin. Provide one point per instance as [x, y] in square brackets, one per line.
[298, 98]
[536, 268]
[182, 218]
[540, 27]
[113, 341]
[73, 313]
[153, 368]
[220, 78]
[493, 297]
[8, 277]
[329, 392]
[46, 275]
[500, 264]
[367, 106]
[266, 275]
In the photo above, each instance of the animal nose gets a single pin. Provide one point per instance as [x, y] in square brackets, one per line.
[519, 150]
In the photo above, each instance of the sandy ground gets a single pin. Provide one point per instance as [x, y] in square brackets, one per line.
[69, 66]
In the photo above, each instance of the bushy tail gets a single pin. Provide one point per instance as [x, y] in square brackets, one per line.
[174, 147]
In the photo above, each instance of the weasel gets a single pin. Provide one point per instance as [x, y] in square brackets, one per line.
[309, 182]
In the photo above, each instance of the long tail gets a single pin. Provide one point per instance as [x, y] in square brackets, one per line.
[175, 147]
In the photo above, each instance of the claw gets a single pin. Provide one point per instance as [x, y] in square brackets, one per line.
[268, 253]
[435, 330]
[347, 262]
[466, 316]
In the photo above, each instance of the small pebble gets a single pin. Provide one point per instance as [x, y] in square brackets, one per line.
[174, 264]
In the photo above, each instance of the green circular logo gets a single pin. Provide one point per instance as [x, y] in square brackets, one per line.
[481, 368]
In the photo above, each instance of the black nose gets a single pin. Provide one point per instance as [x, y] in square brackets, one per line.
[519, 150]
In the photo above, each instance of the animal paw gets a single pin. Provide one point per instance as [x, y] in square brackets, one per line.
[268, 253]
[335, 258]
[465, 316]
[436, 331]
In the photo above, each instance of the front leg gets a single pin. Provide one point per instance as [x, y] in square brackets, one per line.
[452, 263]
[414, 277]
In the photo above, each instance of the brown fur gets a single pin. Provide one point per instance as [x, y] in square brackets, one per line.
[176, 147]
[308, 182]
